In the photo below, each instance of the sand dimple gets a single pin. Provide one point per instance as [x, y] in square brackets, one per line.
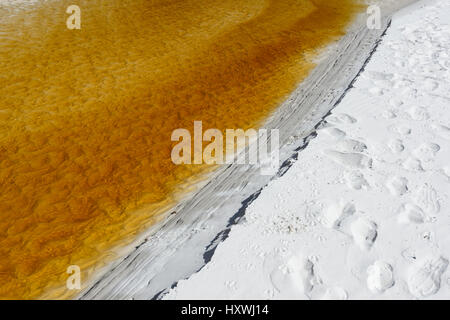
[364, 233]
[425, 277]
[380, 277]
[350, 160]
[397, 186]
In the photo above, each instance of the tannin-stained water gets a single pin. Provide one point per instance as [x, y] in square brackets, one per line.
[86, 115]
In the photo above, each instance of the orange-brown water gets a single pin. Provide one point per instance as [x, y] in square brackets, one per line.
[86, 115]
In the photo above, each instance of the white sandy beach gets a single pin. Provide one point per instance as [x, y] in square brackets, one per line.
[340, 173]
[360, 208]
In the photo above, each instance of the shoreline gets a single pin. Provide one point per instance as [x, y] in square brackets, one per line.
[139, 274]
[362, 214]
[88, 147]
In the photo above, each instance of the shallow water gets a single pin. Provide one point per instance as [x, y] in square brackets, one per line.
[86, 115]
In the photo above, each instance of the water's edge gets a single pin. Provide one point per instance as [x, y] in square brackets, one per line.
[184, 242]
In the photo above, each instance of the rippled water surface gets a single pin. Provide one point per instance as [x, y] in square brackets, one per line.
[86, 115]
